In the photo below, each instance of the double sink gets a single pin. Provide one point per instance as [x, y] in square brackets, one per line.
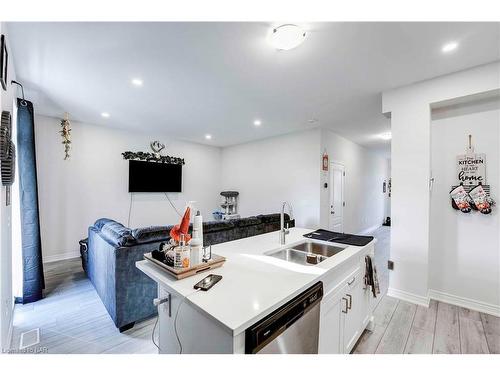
[307, 253]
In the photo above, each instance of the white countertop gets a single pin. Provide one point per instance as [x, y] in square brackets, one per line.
[253, 284]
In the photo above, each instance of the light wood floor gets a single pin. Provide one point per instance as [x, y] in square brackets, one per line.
[402, 327]
[72, 319]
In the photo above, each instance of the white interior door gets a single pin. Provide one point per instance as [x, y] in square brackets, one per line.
[337, 176]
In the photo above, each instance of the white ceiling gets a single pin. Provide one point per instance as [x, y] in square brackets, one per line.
[218, 77]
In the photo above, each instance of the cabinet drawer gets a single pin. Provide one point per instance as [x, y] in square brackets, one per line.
[348, 280]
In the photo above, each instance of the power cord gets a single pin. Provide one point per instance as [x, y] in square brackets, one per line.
[177, 314]
[175, 208]
[154, 329]
[130, 210]
[175, 321]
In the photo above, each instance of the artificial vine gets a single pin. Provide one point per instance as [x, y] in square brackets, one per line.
[66, 136]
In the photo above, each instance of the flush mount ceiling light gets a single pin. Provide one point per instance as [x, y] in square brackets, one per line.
[257, 123]
[208, 136]
[386, 136]
[286, 37]
[105, 114]
[448, 47]
[137, 82]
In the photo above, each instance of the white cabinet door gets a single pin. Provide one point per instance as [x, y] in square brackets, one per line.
[331, 324]
[354, 317]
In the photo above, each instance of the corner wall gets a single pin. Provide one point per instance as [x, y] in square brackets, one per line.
[93, 183]
[366, 171]
[464, 254]
[410, 109]
[270, 171]
[273, 170]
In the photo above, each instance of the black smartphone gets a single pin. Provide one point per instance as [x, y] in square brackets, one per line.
[208, 282]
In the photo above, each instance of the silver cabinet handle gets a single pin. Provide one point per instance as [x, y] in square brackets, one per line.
[353, 280]
[346, 305]
[349, 306]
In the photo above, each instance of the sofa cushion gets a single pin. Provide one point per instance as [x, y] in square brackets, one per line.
[217, 226]
[101, 222]
[152, 234]
[246, 221]
[117, 234]
[271, 218]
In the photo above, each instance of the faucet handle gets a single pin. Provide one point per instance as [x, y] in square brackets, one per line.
[287, 230]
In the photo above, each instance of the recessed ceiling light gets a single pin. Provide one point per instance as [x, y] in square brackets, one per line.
[105, 114]
[137, 82]
[448, 47]
[208, 136]
[385, 136]
[257, 123]
[286, 37]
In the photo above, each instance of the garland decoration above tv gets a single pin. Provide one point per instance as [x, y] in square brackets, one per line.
[155, 156]
[148, 156]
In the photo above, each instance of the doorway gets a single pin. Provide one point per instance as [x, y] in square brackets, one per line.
[337, 182]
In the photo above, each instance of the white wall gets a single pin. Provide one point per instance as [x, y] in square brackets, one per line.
[288, 167]
[94, 182]
[273, 170]
[6, 299]
[365, 173]
[464, 252]
[410, 111]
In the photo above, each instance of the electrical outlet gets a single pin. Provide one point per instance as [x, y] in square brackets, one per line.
[390, 264]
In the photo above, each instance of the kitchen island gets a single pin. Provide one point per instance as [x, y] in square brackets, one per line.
[254, 285]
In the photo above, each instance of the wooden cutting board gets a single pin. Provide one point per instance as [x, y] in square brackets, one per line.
[182, 273]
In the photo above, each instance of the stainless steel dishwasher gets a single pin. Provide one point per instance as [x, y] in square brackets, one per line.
[291, 329]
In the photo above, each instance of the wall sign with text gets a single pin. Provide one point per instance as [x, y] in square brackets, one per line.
[471, 169]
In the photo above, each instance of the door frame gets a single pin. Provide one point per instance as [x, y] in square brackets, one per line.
[335, 163]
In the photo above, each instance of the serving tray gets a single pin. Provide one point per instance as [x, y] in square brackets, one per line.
[182, 273]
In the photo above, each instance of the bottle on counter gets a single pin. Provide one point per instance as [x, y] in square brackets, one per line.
[198, 226]
[196, 247]
[182, 255]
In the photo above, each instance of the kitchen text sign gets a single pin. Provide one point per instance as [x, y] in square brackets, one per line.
[471, 169]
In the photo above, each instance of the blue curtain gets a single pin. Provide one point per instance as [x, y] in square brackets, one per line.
[33, 281]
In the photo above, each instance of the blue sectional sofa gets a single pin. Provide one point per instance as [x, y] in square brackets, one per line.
[112, 250]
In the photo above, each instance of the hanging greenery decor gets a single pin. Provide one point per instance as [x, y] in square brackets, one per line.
[66, 136]
[148, 156]
[155, 156]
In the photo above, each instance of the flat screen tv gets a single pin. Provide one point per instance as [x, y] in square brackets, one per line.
[152, 177]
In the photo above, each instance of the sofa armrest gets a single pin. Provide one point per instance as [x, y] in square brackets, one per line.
[135, 291]
[101, 269]
[126, 292]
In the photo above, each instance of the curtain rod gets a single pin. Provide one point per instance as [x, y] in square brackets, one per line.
[23, 102]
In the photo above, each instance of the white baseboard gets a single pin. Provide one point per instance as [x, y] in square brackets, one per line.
[468, 303]
[61, 256]
[408, 297]
[369, 230]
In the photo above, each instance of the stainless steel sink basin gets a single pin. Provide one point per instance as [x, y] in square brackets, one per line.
[307, 253]
[297, 256]
[319, 248]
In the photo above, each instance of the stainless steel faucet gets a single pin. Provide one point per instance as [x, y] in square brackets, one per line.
[284, 231]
